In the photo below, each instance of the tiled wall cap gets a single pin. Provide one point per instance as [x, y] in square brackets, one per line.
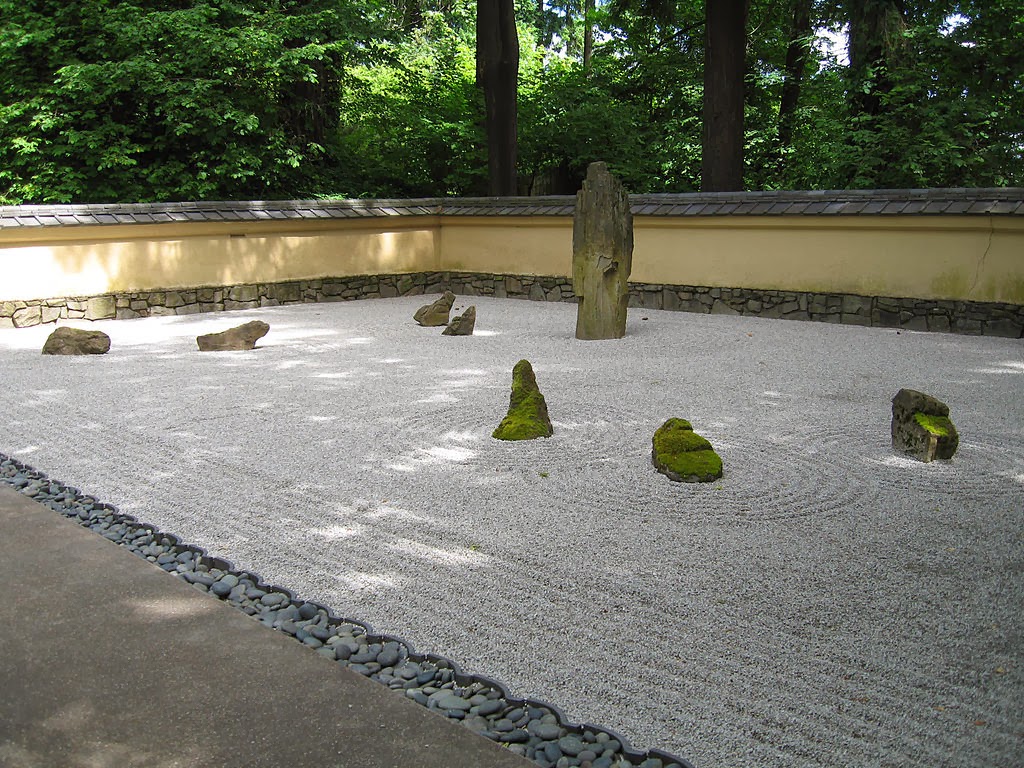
[916, 202]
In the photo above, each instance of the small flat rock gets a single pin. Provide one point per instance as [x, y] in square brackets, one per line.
[240, 337]
[76, 341]
[436, 314]
[682, 455]
[921, 427]
[462, 325]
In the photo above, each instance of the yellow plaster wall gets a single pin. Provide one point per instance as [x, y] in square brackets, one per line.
[87, 261]
[972, 258]
[975, 258]
[520, 245]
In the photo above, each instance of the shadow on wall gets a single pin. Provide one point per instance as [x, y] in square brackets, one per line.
[158, 257]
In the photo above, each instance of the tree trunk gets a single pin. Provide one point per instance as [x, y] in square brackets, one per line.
[876, 39]
[412, 15]
[497, 74]
[724, 67]
[796, 62]
[588, 34]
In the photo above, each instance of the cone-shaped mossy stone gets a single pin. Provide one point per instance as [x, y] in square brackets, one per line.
[684, 456]
[527, 412]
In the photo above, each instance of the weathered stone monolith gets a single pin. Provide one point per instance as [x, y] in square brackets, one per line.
[527, 412]
[921, 426]
[242, 336]
[682, 455]
[602, 255]
[437, 313]
[462, 325]
[75, 341]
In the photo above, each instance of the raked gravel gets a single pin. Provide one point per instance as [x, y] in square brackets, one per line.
[826, 603]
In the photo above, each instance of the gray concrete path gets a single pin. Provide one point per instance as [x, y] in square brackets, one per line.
[105, 660]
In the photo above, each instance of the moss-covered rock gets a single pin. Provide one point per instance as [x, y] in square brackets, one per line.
[527, 412]
[684, 456]
[921, 426]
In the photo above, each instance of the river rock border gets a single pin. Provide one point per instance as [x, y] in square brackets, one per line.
[533, 729]
[963, 317]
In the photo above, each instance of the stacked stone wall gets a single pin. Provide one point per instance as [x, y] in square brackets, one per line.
[964, 317]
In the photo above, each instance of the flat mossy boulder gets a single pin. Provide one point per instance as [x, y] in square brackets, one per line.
[432, 315]
[684, 456]
[921, 426]
[527, 417]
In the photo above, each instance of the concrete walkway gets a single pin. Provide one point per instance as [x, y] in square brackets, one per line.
[105, 660]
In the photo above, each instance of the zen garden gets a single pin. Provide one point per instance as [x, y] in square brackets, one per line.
[591, 384]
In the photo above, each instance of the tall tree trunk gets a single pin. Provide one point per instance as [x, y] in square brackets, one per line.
[497, 73]
[724, 67]
[588, 34]
[876, 40]
[412, 15]
[796, 62]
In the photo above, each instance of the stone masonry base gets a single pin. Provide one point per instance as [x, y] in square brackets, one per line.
[965, 317]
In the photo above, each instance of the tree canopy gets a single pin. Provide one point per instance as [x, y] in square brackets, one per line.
[146, 100]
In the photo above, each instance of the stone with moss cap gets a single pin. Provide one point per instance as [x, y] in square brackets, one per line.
[527, 412]
[684, 456]
[921, 426]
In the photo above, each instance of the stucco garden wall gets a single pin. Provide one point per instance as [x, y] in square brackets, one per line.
[961, 271]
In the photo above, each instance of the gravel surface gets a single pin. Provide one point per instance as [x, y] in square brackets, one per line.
[825, 603]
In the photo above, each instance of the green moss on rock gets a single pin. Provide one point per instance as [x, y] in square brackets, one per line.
[940, 426]
[527, 417]
[681, 454]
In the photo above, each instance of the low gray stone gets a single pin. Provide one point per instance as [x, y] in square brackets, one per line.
[243, 336]
[921, 426]
[547, 731]
[452, 701]
[220, 589]
[100, 307]
[462, 325]
[27, 317]
[243, 293]
[75, 341]
[571, 745]
[490, 707]
[436, 314]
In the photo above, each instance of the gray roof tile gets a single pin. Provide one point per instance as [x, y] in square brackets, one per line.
[972, 202]
[1006, 206]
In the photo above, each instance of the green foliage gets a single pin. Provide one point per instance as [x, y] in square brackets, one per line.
[106, 101]
[409, 124]
[137, 100]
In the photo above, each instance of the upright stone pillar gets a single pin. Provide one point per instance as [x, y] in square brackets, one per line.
[602, 255]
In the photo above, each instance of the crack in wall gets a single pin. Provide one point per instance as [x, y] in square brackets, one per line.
[984, 255]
